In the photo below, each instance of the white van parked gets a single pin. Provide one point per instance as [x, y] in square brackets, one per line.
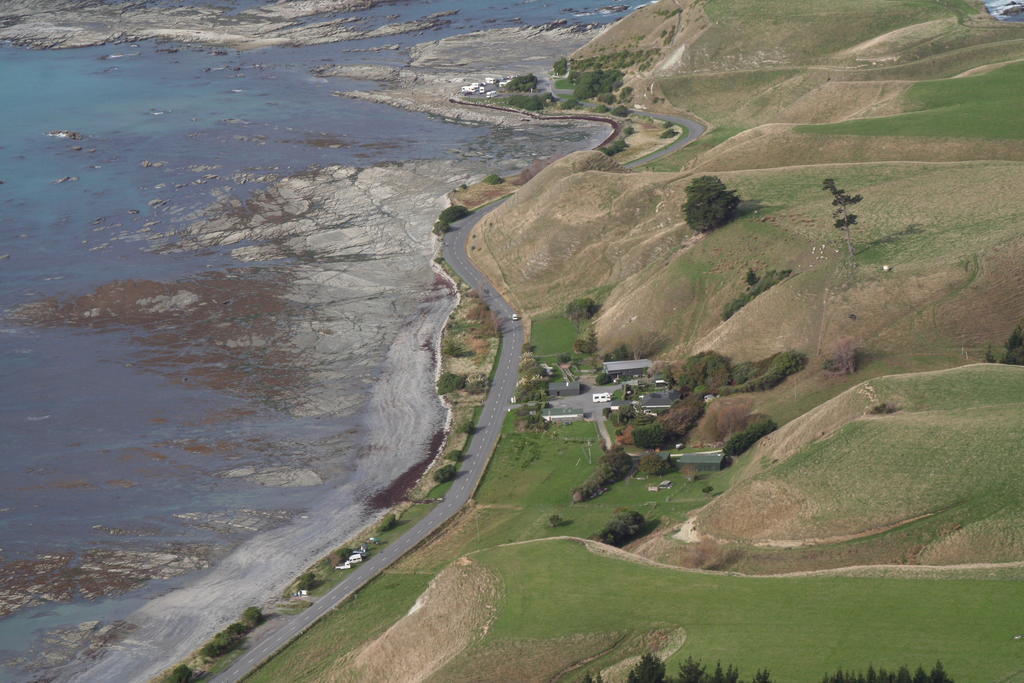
[602, 398]
[353, 559]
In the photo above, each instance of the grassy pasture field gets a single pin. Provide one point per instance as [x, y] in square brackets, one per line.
[798, 628]
[985, 106]
[552, 335]
[321, 649]
[948, 456]
[530, 478]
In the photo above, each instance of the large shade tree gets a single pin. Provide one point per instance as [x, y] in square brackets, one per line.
[709, 203]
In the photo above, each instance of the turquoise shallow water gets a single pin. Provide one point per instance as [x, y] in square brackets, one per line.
[76, 409]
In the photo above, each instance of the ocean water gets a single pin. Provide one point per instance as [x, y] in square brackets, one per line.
[997, 7]
[106, 441]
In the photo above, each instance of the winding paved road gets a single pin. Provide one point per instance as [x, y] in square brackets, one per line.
[694, 129]
[488, 429]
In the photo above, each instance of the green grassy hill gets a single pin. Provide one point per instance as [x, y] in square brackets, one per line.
[938, 481]
[799, 629]
[985, 106]
[537, 628]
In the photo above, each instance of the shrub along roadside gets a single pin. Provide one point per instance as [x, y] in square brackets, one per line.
[615, 147]
[231, 637]
[449, 216]
[449, 382]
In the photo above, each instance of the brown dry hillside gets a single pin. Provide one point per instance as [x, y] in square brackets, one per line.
[582, 223]
[953, 286]
[455, 610]
[938, 208]
[778, 145]
[945, 468]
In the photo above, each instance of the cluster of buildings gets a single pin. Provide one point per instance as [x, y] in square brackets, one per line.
[652, 403]
[488, 87]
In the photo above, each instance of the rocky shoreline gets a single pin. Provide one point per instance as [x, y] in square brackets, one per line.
[438, 68]
[72, 23]
[355, 283]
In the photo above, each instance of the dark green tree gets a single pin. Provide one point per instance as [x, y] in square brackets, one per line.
[525, 83]
[449, 382]
[649, 669]
[453, 213]
[649, 436]
[751, 277]
[615, 147]
[762, 677]
[653, 465]
[592, 83]
[388, 523]
[445, 473]
[560, 67]
[842, 218]
[623, 527]
[306, 582]
[709, 204]
[739, 442]
[586, 343]
[691, 671]
[252, 617]
[449, 216]
[729, 675]
[581, 309]
[555, 521]
[901, 675]
[180, 674]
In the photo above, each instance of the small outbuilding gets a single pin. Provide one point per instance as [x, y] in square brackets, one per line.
[705, 461]
[564, 388]
[561, 414]
[617, 369]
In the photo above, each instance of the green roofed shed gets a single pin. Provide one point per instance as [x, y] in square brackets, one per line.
[705, 461]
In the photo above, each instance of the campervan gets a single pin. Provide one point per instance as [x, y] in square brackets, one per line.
[602, 397]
